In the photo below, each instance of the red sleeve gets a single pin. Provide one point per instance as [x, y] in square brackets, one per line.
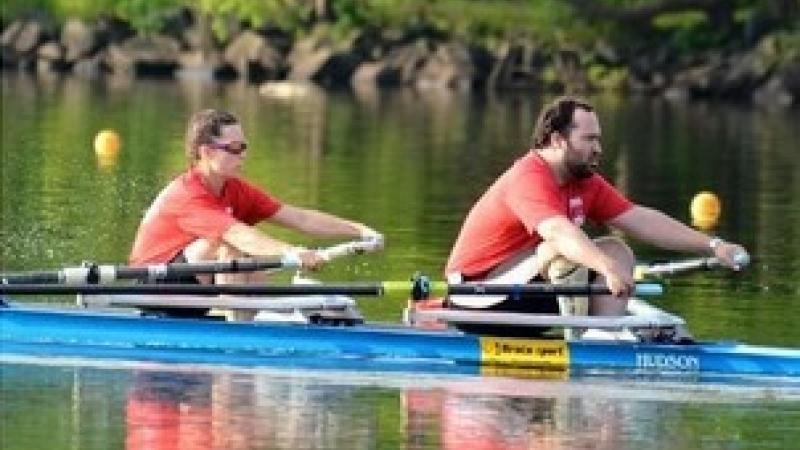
[533, 198]
[251, 204]
[607, 202]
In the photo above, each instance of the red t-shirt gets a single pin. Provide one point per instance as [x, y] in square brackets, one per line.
[186, 210]
[504, 220]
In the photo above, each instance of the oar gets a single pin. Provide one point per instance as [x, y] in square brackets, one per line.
[99, 274]
[357, 289]
[91, 273]
[546, 290]
[688, 265]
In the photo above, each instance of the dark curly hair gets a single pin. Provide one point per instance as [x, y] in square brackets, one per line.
[203, 126]
[556, 118]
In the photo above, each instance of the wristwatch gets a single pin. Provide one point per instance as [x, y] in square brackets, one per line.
[714, 243]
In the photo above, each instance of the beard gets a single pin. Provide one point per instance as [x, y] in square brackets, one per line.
[579, 169]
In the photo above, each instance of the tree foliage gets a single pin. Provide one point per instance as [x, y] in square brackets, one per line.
[688, 24]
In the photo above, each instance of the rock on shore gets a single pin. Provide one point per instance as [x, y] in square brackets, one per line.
[764, 74]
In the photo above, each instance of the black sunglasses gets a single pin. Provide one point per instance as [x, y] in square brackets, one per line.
[234, 148]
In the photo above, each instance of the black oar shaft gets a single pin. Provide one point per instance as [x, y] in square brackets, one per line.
[94, 274]
[177, 270]
[374, 289]
[91, 273]
[370, 289]
[542, 289]
[545, 289]
[32, 277]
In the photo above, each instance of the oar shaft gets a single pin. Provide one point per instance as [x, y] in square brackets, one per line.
[177, 270]
[94, 274]
[99, 274]
[740, 259]
[545, 290]
[362, 289]
[374, 289]
[675, 267]
[32, 277]
[440, 288]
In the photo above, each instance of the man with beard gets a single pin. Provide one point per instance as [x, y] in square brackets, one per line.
[527, 225]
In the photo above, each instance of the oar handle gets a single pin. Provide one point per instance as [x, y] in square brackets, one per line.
[649, 289]
[367, 245]
[740, 260]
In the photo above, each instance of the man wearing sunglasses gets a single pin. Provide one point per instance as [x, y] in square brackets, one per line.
[209, 213]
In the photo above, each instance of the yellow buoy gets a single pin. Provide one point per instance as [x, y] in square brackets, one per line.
[705, 209]
[106, 143]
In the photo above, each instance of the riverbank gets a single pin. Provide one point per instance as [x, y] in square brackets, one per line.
[766, 72]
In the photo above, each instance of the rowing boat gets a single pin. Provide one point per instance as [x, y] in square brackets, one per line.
[112, 329]
[53, 332]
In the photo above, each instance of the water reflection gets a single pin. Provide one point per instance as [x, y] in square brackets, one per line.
[167, 410]
[97, 406]
[235, 411]
[465, 420]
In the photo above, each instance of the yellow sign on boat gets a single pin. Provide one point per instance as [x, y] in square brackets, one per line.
[524, 352]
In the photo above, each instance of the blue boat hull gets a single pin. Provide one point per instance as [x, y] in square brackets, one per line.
[89, 334]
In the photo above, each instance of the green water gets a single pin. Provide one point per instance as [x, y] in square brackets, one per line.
[409, 164]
